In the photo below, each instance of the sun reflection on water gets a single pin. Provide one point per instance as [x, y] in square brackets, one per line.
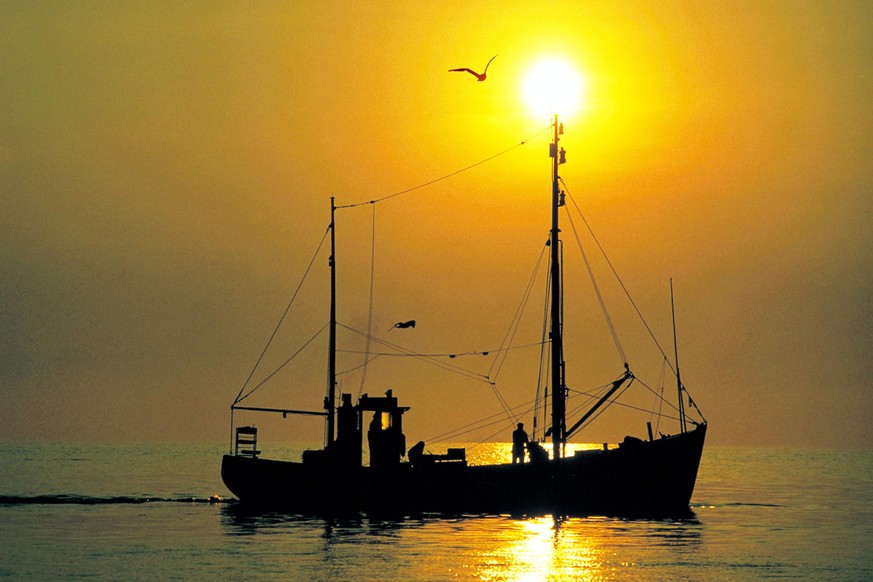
[496, 453]
[541, 549]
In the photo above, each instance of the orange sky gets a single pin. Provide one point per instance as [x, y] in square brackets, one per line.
[166, 173]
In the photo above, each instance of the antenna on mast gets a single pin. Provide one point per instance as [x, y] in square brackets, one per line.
[679, 387]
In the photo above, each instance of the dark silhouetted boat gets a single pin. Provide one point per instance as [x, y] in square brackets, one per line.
[649, 477]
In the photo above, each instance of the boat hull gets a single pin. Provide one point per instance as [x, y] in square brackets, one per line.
[639, 479]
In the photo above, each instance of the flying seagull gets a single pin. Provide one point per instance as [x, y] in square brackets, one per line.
[479, 77]
[403, 325]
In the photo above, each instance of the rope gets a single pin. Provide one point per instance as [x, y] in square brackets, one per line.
[456, 369]
[411, 354]
[628, 295]
[660, 397]
[285, 363]
[525, 407]
[545, 361]
[497, 418]
[512, 330]
[663, 400]
[281, 319]
[455, 173]
[614, 400]
[620, 282]
[359, 366]
[370, 315]
[610, 402]
[507, 410]
[600, 299]
[509, 336]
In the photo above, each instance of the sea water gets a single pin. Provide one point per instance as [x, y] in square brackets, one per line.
[142, 512]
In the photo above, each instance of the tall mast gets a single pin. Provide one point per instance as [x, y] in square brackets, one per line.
[330, 399]
[559, 398]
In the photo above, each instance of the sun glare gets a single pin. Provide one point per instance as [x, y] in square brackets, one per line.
[552, 85]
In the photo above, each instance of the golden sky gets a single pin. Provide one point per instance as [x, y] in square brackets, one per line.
[165, 174]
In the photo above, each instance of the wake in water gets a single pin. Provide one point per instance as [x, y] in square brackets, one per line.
[703, 505]
[72, 499]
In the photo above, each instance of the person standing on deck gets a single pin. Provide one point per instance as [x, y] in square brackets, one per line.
[519, 440]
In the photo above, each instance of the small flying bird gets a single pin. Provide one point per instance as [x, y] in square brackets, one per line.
[479, 77]
[404, 324]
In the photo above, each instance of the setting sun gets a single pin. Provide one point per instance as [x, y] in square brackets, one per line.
[553, 85]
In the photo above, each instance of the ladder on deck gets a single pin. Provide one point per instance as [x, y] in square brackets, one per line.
[247, 442]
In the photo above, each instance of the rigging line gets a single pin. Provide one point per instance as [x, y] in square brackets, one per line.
[467, 429]
[545, 361]
[282, 319]
[623, 405]
[434, 362]
[488, 438]
[662, 384]
[620, 282]
[628, 295]
[600, 389]
[370, 315]
[404, 352]
[506, 408]
[595, 393]
[455, 173]
[641, 409]
[496, 417]
[692, 403]
[285, 363]
[594, 396]
[650, 389]
[512, 330]
[597, 292]
[359, 366]
[445, 355]
[458, 432]
[610, 402]
[480, 424]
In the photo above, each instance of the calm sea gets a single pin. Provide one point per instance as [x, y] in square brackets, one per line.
[123, 512]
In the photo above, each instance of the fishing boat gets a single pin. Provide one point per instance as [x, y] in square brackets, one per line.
[648, 476]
